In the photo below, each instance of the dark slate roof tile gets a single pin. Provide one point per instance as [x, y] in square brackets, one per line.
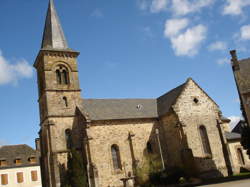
[12, 152]
[232, 136]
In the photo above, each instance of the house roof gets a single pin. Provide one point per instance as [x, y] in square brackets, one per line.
[232, 136]
[12, 152]
[108, 109]
[165, 101]
[238, 127]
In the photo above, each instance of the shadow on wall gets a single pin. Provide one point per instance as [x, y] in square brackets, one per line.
[176, 153]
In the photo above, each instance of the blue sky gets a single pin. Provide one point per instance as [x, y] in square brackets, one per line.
[129, 49]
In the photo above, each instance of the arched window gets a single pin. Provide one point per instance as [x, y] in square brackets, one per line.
[58, 76]
[116, 157]
[68, 138]
[62, 75]
[241, 160]
[65, 101]
[205, 140]
[149, 147]
[65, 77]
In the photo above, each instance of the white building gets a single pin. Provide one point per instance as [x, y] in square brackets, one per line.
[19, 166]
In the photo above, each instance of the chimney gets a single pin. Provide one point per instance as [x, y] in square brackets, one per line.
[37, 141]
[234, 60]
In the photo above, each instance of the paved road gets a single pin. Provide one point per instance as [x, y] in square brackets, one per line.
[240, 183]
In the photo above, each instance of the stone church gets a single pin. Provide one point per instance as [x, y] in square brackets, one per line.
[183, 126]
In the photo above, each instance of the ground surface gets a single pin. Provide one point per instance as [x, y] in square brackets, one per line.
[239, 183]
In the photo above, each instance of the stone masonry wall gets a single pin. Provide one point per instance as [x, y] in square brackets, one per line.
[104, 134]
[192, 115]
[233, 146]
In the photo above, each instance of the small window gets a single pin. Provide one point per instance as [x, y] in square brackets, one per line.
[34, 176]
[32, 160]
[4, 179]
[65, 100]
[149, 148]
[205, 141]
[241, 160]
[58, 77]
[196, 101]
[19, 177]
[18, 161]
[3, 163]
[62, 75]
[65, 77]
[68, 138]
[116, 157]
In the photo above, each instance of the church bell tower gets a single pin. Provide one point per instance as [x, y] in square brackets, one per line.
[59, 92]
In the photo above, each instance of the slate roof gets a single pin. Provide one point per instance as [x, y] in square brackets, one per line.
[107, 109]
[223, 118]
[165, 102]
[12, 152]
[238, 127]
[232, 136]
[53, 36]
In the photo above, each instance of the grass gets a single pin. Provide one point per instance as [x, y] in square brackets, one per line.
[241, 174]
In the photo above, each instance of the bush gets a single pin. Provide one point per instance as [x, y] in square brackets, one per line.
[150, 174]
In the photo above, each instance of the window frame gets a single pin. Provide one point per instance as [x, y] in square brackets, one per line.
[7, 174]
[31, 176]
[17, 177]
[116, 161]
[205, 142]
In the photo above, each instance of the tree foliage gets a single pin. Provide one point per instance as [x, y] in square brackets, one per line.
[76, 175]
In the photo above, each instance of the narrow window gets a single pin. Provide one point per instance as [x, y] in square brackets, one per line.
[19, 177]
[4, 179]
[116, 157]
[205, 141]
[65, 101]
[149, 147]
[65, 77]
[58, 77]
[68, 138]
[34, 175]
[241, 160]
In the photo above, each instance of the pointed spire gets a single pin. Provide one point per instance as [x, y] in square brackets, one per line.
[53, 36]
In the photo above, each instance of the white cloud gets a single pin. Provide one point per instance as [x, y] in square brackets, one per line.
[185, 43]
[158, 6]
[235, 7]
[245, 32]
[11, 73]
[223, 61]
[234, 121]
[174, 26]
[218, 45]
[183, 7]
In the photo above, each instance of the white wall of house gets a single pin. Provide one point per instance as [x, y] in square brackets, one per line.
[27, 177]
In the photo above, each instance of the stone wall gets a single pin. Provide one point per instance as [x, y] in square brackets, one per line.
[103, 134]
[233, 146]
[194, 114]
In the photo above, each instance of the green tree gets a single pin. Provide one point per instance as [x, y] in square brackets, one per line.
[76, 175]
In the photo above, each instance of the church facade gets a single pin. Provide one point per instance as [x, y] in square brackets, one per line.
[183, 127]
